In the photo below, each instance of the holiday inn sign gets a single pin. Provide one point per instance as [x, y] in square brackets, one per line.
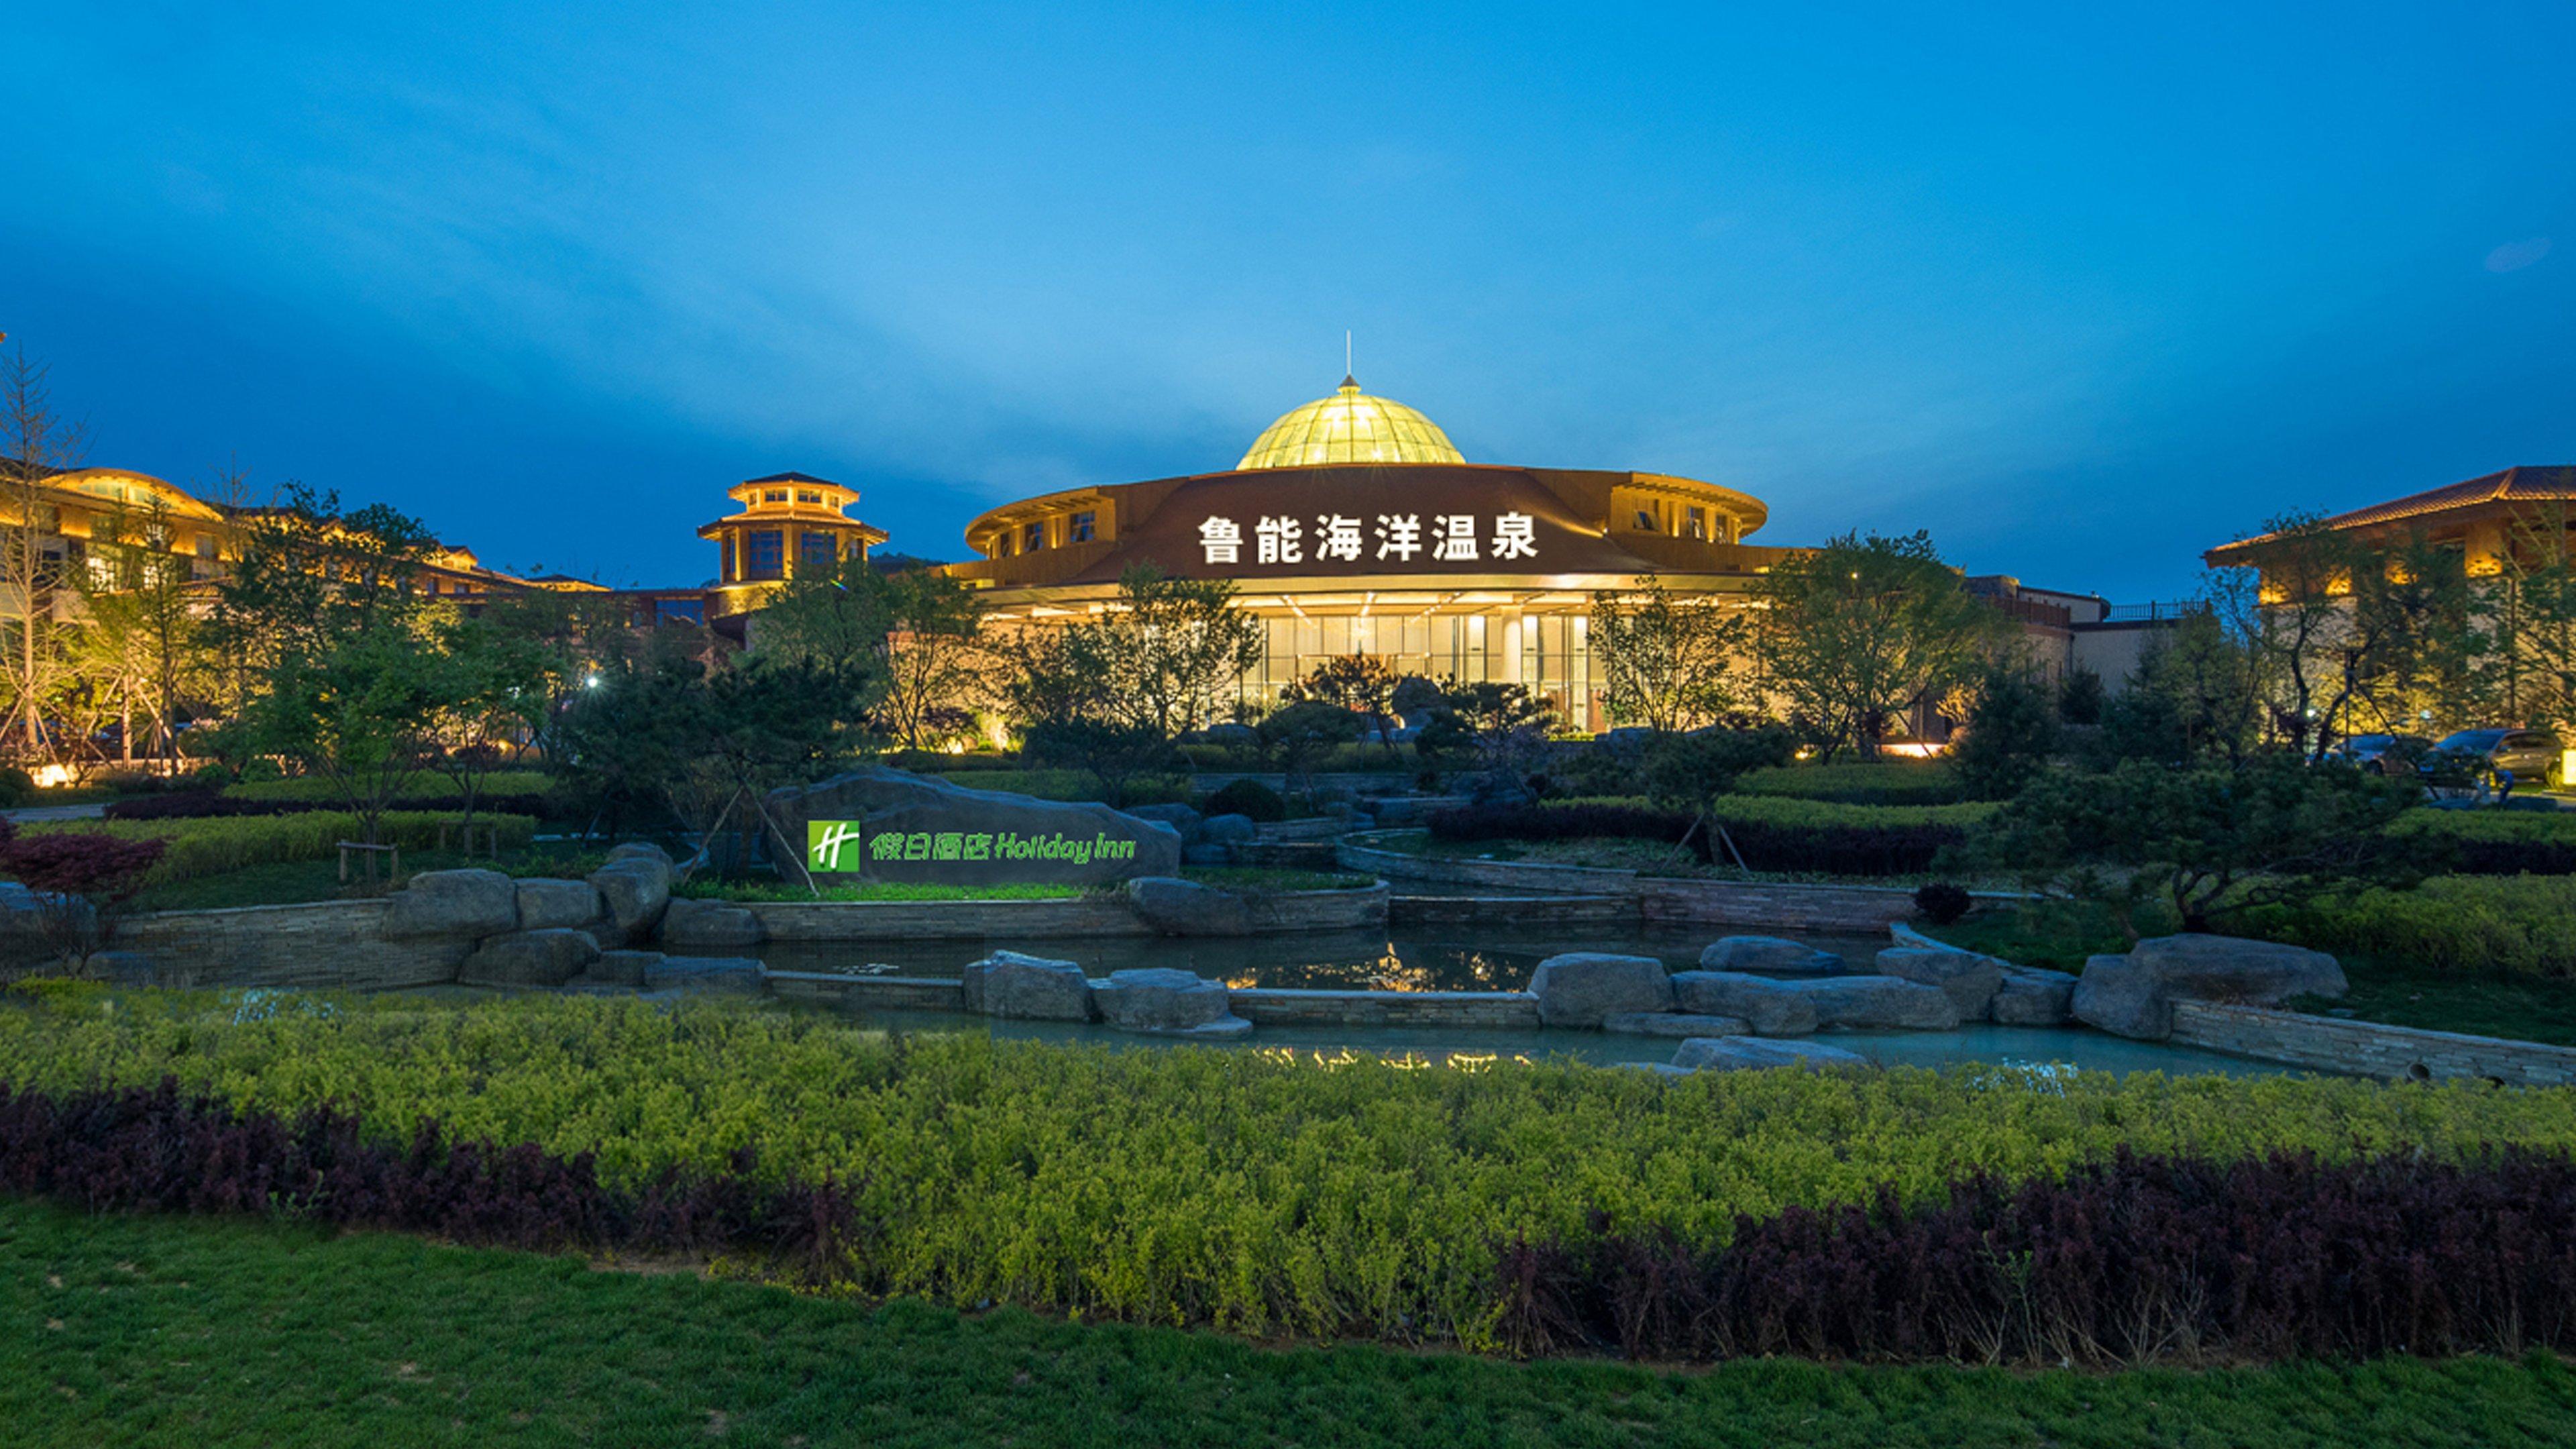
[838, 846]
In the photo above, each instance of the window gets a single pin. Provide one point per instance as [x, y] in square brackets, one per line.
[1696, 525]
[764, 553]
[1645, 520]
[727, 573]
[816, 553]
[808, 495]
[205, 545]
[1082, 528]
[692, 611]
[774, 495]
[1033, 537]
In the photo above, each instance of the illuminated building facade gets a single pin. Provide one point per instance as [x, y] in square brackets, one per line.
[1354, 525]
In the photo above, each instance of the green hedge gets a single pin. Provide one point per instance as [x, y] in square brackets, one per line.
[1791, 811]
[2524, 924]
[422, 786]
[1887, 782]
[1259, 1191]
[204, 847]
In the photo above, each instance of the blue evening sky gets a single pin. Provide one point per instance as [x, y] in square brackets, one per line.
[2081, 289]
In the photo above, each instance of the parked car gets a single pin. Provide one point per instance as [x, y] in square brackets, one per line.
[2381, 754]
[2532, 757]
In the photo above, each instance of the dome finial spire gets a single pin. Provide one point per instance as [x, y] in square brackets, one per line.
[1350, 376]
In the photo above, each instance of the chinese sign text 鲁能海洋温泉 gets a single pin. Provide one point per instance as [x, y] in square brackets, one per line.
[1394, 537]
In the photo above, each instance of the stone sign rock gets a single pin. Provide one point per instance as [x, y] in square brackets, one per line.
[1752, 1053]
[452, 903]
[530, 958]
[1774, 1008]
[1582, 988]
[1027, 988]
[1968, 979]
[1883, 1002]
[1769, 956]
[544, 903]
[881, 824]
[2133, 995]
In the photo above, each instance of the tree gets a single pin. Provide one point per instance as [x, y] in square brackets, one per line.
[1297, 734]
[2011, 732]
[575, 637]
[139, 634]
[2527, 617]
[35, 444]
[2080, 697]
[1177, 649]
[1114, 753]
[2204, 842]
[308, 578]
[1690, 772]
[2198, 693]
[361, 712]
[1666, 664]
[1507, 723]
[1358, 684]
[492, 695]
[1856, 634]
[918, 634]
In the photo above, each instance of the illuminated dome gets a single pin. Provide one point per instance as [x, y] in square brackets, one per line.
[1350, 427]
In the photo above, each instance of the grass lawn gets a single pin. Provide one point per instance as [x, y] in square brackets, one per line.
[136, 1331]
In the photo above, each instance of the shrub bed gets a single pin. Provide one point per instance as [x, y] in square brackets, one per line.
[2467, 923]
[158, 1150]
[421, 786]
[2495, 842]
[211, 805]
[196, 848]
[2130, 1261]
[1892, 782]
[1774, 834]
[1260, 1192]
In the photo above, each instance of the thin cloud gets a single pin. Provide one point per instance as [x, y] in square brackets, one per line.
[2514, 256]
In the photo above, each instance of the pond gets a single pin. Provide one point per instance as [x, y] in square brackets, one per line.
[1458, 958]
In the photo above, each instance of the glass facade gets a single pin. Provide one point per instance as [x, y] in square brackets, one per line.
[816, 552]
[1350, 427]
[764, 553]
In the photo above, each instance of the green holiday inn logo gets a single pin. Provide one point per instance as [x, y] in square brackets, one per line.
[840, 845]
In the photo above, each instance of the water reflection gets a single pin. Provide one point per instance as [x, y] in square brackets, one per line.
[1427, 959]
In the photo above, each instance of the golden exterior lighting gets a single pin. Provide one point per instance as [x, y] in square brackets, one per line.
[1350, 427]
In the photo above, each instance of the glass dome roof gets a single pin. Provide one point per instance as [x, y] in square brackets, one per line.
[1350, 427]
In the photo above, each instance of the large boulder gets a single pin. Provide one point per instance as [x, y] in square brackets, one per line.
[1771, 1006]
[710, 924]
[623, 968]
[546, 903]
[530, 958]
[1178, 907]
[709, 975]
[1166, 1001]
[1227, 829]
[1968, 979]
[1180, 817]
[1751, 1053]
[1027, 988]
[1582, 988]
[2133, 995]
[1878, 1003]
[2031, 996]
[1673, 1023]
[1769, 956]
[1206, 854]
[470, 903]
[634, 889]
[880, 824]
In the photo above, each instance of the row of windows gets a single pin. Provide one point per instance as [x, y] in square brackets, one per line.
[803, 495]
[1681, 520]
[1555, 654]
[764, 553]
[1033, 536]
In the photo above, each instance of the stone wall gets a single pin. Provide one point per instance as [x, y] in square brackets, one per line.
[1511, 876]
[880, 993]
[324, 944]
[1341, 910]
[1784, 906]
[1280, 1006]
[1512, 911]
[2337, 1044]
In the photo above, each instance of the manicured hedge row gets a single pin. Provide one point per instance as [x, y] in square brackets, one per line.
[1892, 782]
[198, 848]
[158, 1150]
[1769, 836]
[422, 786]
[2136, 1260]
[212, 805]
[1265, 1193]
[2494, 842]
[2524, 924]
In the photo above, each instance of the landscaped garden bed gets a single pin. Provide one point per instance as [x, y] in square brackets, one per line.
[1236, 1190]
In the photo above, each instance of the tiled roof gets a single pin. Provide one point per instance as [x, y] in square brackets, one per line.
[2524, 484]
[793, 477]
